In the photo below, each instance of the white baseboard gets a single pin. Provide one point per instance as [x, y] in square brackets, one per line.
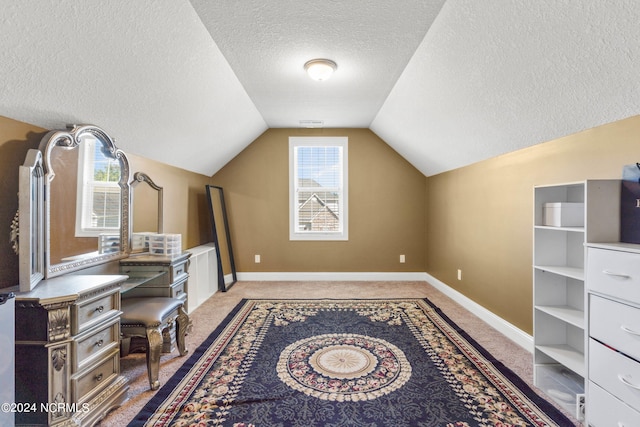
[330, 276]
[512, 332]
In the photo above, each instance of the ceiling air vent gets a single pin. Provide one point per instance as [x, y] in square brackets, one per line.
[311, 123]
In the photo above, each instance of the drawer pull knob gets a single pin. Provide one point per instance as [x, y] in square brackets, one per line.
[619, 275]
[626, 382]
[100, 309]
[629, 331]
[99, 343]
[98, 377]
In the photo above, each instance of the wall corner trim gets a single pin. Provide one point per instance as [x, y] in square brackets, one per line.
[512, 332]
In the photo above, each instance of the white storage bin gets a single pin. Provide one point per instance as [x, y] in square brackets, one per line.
[169, 245]
[563, 214]
[108, 243]
[140, 241]
[560, 384]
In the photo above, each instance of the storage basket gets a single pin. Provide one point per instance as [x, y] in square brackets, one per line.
[563, 214]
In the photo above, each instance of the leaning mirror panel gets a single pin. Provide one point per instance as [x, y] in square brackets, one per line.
[87, 199]
[221, 237]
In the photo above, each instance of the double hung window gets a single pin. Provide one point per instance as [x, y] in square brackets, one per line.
[318, 187]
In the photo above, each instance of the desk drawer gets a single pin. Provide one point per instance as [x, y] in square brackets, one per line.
[615, 372]
[179, 289]
[604, 410]
[92, 311]
[614, 273]
[91, 346]
[148, 270]
[179, 271]
[176, 290]
[85, 385]
[616, 324]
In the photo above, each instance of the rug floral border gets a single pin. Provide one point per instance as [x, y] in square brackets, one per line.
[492, 393]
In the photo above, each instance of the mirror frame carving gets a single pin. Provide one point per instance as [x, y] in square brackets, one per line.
[71, 138]
[139, 177]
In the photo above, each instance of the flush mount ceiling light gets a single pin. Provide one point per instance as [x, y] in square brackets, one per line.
[320, 69]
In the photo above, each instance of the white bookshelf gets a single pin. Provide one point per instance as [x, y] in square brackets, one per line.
[559, 293]
[203, 274]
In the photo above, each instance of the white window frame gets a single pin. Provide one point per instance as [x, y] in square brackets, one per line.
[85, 192]
[343, 217]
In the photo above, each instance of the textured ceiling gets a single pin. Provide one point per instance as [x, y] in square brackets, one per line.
[445, 83]
[147, 72]
[268, 42]
[492, 77]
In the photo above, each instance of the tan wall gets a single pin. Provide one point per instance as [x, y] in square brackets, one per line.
[185, 209]
[185, 205]
[386, 208]
[479, 218]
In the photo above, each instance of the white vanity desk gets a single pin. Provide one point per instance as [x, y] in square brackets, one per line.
[68, 345]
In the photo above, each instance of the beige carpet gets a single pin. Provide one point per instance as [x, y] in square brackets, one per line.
[213, 311]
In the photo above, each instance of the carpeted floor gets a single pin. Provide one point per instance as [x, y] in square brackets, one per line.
[213, 311]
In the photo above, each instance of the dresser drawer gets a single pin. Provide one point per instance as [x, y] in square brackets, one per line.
[616, 324]
[92, 311]
[86, 384]
[615, 372]
[91, 346]
[614, 273]
[604, 410]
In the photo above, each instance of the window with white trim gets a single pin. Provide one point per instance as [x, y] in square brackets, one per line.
[99, 192]
[318, 184]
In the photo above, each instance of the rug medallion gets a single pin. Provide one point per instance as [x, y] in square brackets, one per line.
[344, 363]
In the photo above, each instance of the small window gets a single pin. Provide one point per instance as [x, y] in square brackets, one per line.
[318, 199]
[99, 193]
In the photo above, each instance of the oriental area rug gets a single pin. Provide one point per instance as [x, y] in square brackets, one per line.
[398, 362]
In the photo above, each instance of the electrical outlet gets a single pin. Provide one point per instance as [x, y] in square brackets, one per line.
[459, 274]
[257, 259]
[580, 404]
[402, 259]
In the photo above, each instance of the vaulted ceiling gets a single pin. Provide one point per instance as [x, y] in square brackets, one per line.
[445, 83]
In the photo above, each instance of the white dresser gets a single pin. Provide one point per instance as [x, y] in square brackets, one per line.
[613, 356]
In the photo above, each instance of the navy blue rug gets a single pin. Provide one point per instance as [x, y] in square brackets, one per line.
[398, 362]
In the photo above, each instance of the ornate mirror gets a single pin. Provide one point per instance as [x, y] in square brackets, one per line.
[29, 245]
[221, 237]
[87, 199]
[146, 205]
